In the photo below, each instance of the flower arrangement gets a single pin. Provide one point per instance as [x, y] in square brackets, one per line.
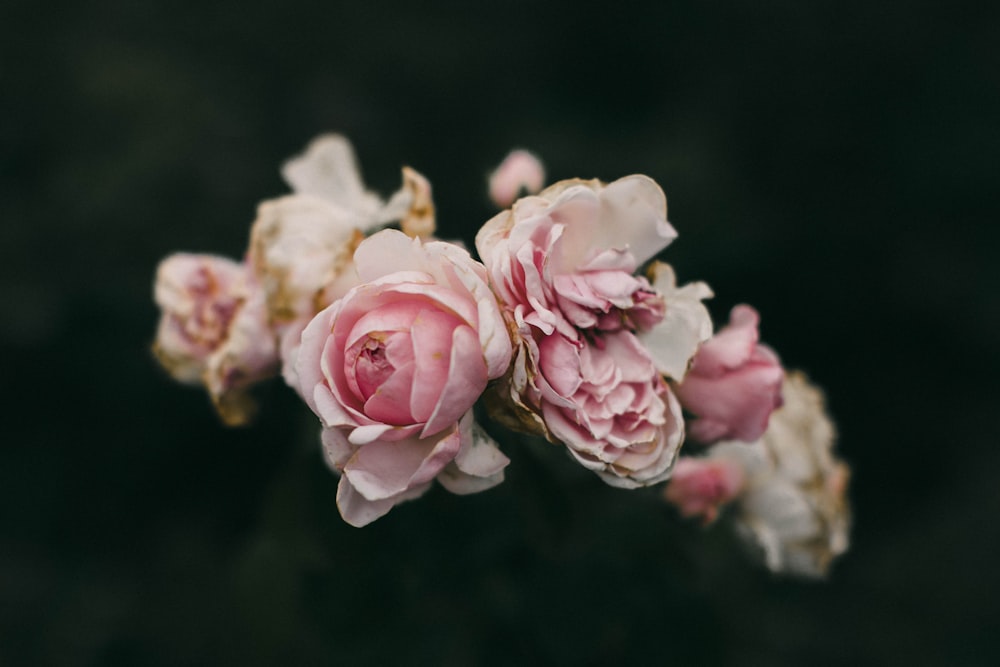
[567, 327]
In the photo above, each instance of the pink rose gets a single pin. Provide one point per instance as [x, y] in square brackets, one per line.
[734, 383]
[605, 400]
[393, 368]
[698, 487]
[562, 264]
[213, 330]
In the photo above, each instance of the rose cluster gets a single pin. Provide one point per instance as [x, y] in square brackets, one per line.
[566, 327]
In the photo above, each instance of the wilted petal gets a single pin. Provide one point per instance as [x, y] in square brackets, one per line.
[329, 170]
[479, 464]
[299, 246]
[419, 217]
[479, 454]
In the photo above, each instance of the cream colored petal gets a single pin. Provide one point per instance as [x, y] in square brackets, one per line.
[634, 214]
[329, 170]
[299, 245]
[419, 217]
[685, 326]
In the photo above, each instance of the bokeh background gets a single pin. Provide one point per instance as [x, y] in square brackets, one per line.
[834, 164]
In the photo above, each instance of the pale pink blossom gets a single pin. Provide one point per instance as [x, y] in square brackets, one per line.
[520, 170]
[793, 507]
[562, 264]
[393, 368]
[699, 487]
[607, 403]
[213, 330]
[734, 383]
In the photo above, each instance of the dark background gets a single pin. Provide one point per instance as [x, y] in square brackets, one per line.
[834, 164]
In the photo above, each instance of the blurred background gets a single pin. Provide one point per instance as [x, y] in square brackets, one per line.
[833, 164]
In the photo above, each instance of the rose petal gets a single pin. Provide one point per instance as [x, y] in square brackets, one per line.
[383, 469]
[465, 384]
[358, 511]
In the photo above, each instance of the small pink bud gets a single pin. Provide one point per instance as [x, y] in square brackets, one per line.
[519, 170]
[699, 487]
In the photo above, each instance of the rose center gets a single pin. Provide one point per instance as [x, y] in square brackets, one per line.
[372, 368]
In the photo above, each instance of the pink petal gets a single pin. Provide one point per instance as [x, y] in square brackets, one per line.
[357, 510]
[308, 367]
[731, 346]
[331, 411]
[560, 361]
[383, 469]
[465, 384]
[364, 435]
[430, 338]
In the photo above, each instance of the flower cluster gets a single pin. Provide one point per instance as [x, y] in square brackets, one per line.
[567, 327]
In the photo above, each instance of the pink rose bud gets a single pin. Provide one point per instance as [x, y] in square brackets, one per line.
[734, 383]
[213, 330]
[519, 171]
[393, 368]
[699, 487]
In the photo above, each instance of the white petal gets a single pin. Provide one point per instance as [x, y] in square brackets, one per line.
[685, 326]
[328, 170]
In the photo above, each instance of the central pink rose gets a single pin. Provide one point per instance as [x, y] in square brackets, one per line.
[393, 368]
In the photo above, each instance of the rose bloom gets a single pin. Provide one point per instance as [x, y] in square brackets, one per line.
[393, 369]
[734, 383]
[792, 509]
[608, 404]
[562, 264]
[213, 330]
